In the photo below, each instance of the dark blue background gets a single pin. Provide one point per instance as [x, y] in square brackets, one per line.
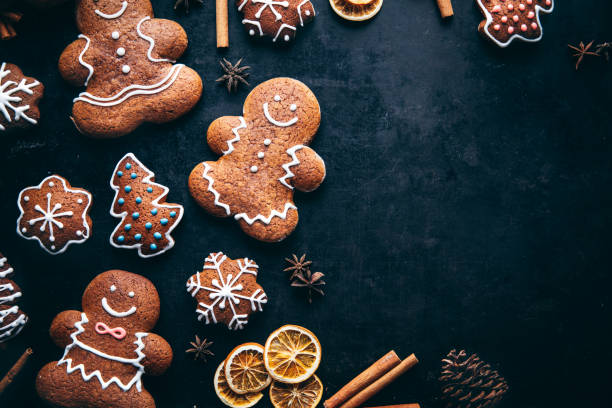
[467, 202]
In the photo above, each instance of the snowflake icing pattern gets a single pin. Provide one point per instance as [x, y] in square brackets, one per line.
[9, 98]
[220, 290]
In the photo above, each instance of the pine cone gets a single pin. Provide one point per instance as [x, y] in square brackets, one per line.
[470, 382]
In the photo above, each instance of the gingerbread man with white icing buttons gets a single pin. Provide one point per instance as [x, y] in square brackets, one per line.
[265, 156]
[108, 346]
[126, 59]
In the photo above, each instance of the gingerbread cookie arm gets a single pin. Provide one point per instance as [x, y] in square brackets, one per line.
[305, 171]
[167, 39]
[158, 355]
[224, 132]
[73, 65]
[63, 326]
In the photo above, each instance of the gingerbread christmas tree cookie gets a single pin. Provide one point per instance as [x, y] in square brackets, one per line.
[146, 219]
[227, 291]
[19, 96]
[278, 20]
[12, 318]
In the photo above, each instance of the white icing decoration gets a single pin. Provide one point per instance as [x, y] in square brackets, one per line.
[251, 32]
[224, 291]
[114, 15]
[80, 201]
[89, 67]
[51, 184]
[8, 97]
[230, 143]
[299, 10]
[121, 51]
[132, 90]
[11, 330]
[293, 107]
[49, 217]
[113, 288]
[254, 169]
[267, 142]
[151, 43]
[256, 24]
[268, 219]
[489, 18]
[270, 4]
[136, 362]
[294, 162]
[242, 5]
[155, 203]
[261, 155]
[108, 309]
[213, 191]
[287, 38]
[276, 122]
[277, 98]
[131, 294]
[125, 69]
[8, 287]
[4, 274]
[289, 26]
[115, 35]
[26, 199]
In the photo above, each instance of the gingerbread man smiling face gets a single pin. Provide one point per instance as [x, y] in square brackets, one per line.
[107, 346]
[265, 156]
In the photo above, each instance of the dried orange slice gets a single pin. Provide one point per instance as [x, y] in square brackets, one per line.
[244, 369]
[306, 394]
[356, 10]
[229, 397]
[292, 354]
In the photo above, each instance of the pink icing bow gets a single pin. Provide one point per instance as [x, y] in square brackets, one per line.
[118, 332]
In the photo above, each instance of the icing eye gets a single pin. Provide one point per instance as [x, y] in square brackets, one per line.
[113, 288]
[293, 107]
[277, 98]
[131, 294]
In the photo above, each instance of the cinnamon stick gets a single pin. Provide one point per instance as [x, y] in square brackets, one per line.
[446, 8]
[222, 24]
[367, 377]
[400, 406]
[374, 388]
[10, 376]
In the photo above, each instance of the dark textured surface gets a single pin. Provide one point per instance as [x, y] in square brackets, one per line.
[467, 202]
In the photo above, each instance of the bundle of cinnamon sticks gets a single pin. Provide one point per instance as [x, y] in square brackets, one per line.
[371, 381]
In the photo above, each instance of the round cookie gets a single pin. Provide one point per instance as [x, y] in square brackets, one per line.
[126, 59]
[54, 214]
[227, 291]
[108, 346]
[12, 318]
[19, 97]
[278, 20]
[265, 156]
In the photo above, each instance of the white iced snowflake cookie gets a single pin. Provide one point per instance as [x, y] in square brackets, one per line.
[19, 96]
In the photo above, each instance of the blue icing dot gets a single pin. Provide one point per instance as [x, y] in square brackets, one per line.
[138, 237]
[120, 238]
[154, 211]
[173, 214]
[128, 189]
[134, 175]
[149, 189]
[148, 225]
[128, 166]
[138, 200]
[163, 221]
[128, 227]
[135, 215]
[121, 201]
[153, 247]
[157, 235]
[120, 173]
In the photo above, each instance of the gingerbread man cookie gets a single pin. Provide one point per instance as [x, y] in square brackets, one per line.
[108, 346]
[507, 20]
[126, 59]
[265, 156]
[227, 291]
[276, 19]
[19, 97]
[12, 318]
[55, 214]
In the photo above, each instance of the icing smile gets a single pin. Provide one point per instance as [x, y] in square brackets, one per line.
[114, 15]
[115, 313]
[276, 122]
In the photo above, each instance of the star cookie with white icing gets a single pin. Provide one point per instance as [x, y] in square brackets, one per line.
[276, 19]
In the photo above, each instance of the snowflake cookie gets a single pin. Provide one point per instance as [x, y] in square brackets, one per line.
[19, 96]
[276, 19]
[12, 319]
[227, 291]
[510, 19]
[54, 214]
[146, 219]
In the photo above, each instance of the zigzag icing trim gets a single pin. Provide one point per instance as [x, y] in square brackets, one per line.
[212, 190]
[230, 143]
[7, 272]
[268, 219]
[151, 42]
[89, 67]
[11, 329]
[136, 380]
[294, 162]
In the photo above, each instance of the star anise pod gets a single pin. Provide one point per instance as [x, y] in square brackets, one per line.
[234, 74]
[312, 281]
[200, 348]
[605, 49]
[582, 51]
[185, 3]
[298, 265]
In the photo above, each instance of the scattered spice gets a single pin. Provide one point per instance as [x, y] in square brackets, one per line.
[468, 382]
[234, 74]
[185, 4]
[604, 49]
[298, 265]
[303, 277]
[10, 376]
[581, 51]
[7, 19]
[200, 349]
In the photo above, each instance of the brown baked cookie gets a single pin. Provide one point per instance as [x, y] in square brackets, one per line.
[55, 214]
[108, 346]
[126, 59]
[12, 318]
[19, 96]
[227, 291]
[146, 219]
[276, 19]
[510, 19]
[265, 156]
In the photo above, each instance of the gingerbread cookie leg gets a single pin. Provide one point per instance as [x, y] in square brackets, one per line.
[274, 227]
